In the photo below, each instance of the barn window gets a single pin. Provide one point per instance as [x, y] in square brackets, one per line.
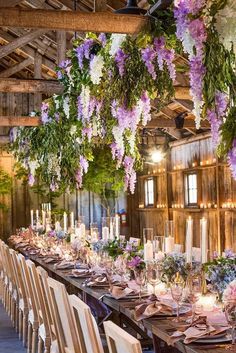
[149, 192]
[191, 191]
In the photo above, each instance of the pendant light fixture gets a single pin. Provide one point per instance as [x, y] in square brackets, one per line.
[131, 9]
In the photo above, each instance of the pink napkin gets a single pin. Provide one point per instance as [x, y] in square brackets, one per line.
[151, 308]
[80, 273]
[119, 292]
[98, 281]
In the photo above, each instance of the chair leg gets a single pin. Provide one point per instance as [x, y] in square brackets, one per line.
[17, 318]
[25, 319]
[20, 324]
[40, 345]
[34, 340]
[29, 339]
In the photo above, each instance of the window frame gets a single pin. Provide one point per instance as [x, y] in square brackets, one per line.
[146, 204]
[187, 189]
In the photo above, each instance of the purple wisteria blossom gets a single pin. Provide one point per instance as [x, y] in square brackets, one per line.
[165, 56]
[120, 59]
[103, 39]
[83, 168]
[146, 108]
[54, 186]
[215, 116]
[44, 113]
[196, 74]
[83, 51]
[136, 260]
[148, 57]
[232, 159]
[31, 179]
[87, 132]
[198, 32]
[130, 174]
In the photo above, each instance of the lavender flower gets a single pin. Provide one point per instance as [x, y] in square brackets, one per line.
[83, 51]
[232, 159]
[31, 179]
[148, 56]
[45, 113]
[103, 39]
[136, 260]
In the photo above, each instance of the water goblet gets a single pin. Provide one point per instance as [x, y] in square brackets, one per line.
[176, 289]
[230, 314]
[140, 279]
[153, 274]
[192, 293]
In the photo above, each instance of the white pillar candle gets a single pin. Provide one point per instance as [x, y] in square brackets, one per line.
[203, 239]
[83, 230]
[43, 218]
[169, 244]
[189, 240]
[78, 232]
[72, 238]
[32, 218]
[65, 221]
[117, 226]
[105, 233]
[37, 215]
[57, 226]
[111, 231]
[72, 220]
[148, 251]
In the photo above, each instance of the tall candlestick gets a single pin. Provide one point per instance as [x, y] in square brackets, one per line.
[57, 226]
[189, 240]
[105, 233]
[65, 221]
[44, 218]
[83, 230]
[37, 215]
[148, 251]
[169, 244]
[111, 230]
[203, 239]
[72, 220]
[32, 218]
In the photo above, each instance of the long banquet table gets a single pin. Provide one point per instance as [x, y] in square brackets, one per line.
[159, 329]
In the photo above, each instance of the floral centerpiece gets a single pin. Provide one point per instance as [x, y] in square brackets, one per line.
[220, 272]
[229, 293]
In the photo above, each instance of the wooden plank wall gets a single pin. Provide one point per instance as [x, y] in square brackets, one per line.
[216, 187]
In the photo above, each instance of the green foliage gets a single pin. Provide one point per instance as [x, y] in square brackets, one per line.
[5, 186]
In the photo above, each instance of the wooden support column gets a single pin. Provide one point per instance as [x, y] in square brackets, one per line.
[219, 242]
[61, 46]
[37, 75]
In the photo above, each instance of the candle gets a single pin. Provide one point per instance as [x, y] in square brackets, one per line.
[206, 302]
[72, 237]
[148, 251]
[105, 233]
[203, 239]
[32, 218]
[72, 220]
[169, 244]
[78, 232]
[83, 230]
[57, 226]
[111, 230]
[37, 215]
[65, 221]
[117, 226]
[44, 218]
[189, 240]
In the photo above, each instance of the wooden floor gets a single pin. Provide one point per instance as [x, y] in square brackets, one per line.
[9, 341]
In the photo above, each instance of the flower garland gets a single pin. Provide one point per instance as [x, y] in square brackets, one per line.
[103, 104]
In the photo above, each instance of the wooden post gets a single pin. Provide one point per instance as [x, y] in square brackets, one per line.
[61, 46]
[37, 75]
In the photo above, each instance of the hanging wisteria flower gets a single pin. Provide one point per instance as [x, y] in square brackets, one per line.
[66, 106]
[116, 43]
[148, 56]
[96, 68]
[165, 56]
[83, 169]
[144, 106]
[130, 174]
[120, 59]
[83, 104]
[45, 113]
[232, 159]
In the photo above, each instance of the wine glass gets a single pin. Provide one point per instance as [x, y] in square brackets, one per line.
[153, 274]
[192, 293]
[176, 289]
[140, 279]
[230, 314]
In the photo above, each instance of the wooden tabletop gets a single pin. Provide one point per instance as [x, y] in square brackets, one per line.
[159, 327]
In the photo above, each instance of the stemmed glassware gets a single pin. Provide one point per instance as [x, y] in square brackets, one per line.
[230, 314]
[193, 292]
[176, 289]
[153, 274]
[140, 279]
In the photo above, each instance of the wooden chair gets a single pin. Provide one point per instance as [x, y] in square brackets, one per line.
[4, 277]
[44, 335]
[89, 337]
[63, 319]
[120, 341]
[43, 277]
[33, 320]
[23, 309]
[1, 273]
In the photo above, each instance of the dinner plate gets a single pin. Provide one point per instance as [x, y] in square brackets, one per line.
[224, 338]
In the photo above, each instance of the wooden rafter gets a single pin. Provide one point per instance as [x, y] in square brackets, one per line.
[20, 41]
[30, 86]
[99, 5]
[72, 21]
[10, 3]
[16, 68]
[19, 121]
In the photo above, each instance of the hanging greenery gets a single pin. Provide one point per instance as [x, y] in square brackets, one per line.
[5, 187]
[109, 82]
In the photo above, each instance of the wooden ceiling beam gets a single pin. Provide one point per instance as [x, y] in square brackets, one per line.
[30, 86]
[11, 121]
[99, 5]
[10, 3]
[20, 41]
[16, 68]
[165, 123]
[72, 21]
